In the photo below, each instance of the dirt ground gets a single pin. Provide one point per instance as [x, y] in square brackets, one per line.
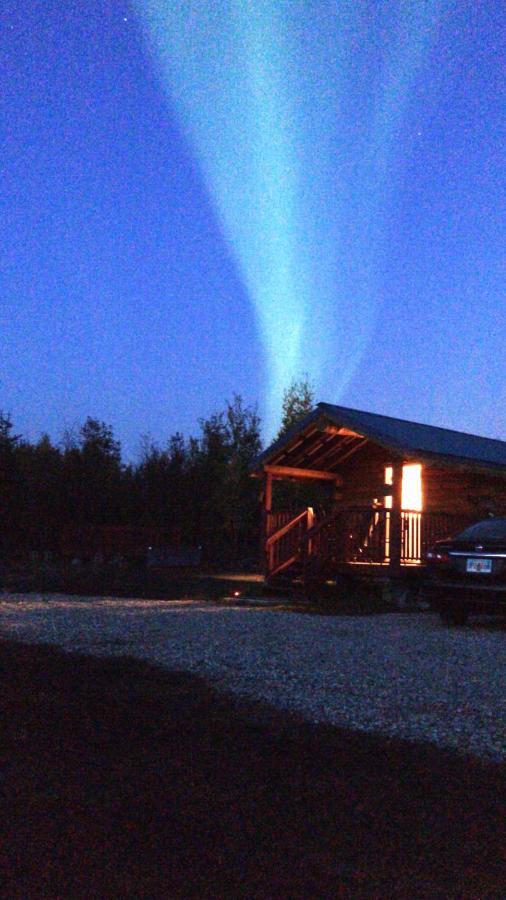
[119, 779]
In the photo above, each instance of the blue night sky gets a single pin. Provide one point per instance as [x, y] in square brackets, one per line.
[200, 199]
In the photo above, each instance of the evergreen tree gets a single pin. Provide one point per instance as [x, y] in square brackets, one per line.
[10, 487]
[197, 491]
[161, 484]
[8, 441]
[42, 494]
[93, 476]
[226, 502]
[298, 401]
[97, 443]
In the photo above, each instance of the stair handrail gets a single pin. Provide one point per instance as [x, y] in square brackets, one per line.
[276, 535]
[275, 538]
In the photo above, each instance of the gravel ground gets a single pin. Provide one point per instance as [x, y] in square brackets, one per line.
[399, 674]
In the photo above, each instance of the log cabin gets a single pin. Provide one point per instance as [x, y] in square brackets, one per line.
[391, 489]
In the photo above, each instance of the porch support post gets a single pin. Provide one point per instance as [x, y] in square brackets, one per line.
[396, 521]
[267, 518]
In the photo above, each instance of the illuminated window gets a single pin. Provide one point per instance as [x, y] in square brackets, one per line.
[412, 487]
[389, 477]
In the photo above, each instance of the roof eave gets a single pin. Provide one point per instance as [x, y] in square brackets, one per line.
[323, 414]
[285, 439]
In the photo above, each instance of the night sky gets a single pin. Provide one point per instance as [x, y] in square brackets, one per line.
[199, 199]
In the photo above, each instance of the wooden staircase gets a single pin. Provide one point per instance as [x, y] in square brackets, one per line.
[309, 551]
[284, 550]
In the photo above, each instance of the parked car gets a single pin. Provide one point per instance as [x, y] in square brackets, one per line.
[467, 573]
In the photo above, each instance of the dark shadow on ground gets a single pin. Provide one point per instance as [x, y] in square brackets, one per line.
[119, 779]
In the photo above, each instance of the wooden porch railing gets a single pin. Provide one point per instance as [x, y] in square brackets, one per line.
[356, 535]
[420, 530]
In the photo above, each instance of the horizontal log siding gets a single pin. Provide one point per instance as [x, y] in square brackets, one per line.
[363, 476]
[466, 493]
[445, 488]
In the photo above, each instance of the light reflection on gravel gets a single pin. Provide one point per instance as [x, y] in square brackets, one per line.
[399, 674]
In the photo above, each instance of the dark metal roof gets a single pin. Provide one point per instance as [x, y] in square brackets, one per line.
[315, 441]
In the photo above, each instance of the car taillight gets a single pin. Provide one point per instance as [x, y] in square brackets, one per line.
[438, 556]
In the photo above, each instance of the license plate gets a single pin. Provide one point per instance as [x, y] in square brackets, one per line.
[479, 565]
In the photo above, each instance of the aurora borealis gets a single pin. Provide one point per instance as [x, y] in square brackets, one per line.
[293, 120]
[207, 198]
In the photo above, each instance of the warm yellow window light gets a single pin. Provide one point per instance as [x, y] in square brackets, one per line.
[389, 477]
[411, 486]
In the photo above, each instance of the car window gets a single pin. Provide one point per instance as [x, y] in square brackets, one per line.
[489, 530]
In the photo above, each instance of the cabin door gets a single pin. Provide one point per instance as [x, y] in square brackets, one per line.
[411, 515]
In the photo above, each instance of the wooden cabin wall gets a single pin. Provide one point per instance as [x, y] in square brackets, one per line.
[447, 489]
[363, 476]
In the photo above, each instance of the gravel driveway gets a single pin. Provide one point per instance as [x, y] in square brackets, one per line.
[399, 674]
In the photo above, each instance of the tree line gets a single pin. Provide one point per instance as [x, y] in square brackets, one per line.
[194, 491]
